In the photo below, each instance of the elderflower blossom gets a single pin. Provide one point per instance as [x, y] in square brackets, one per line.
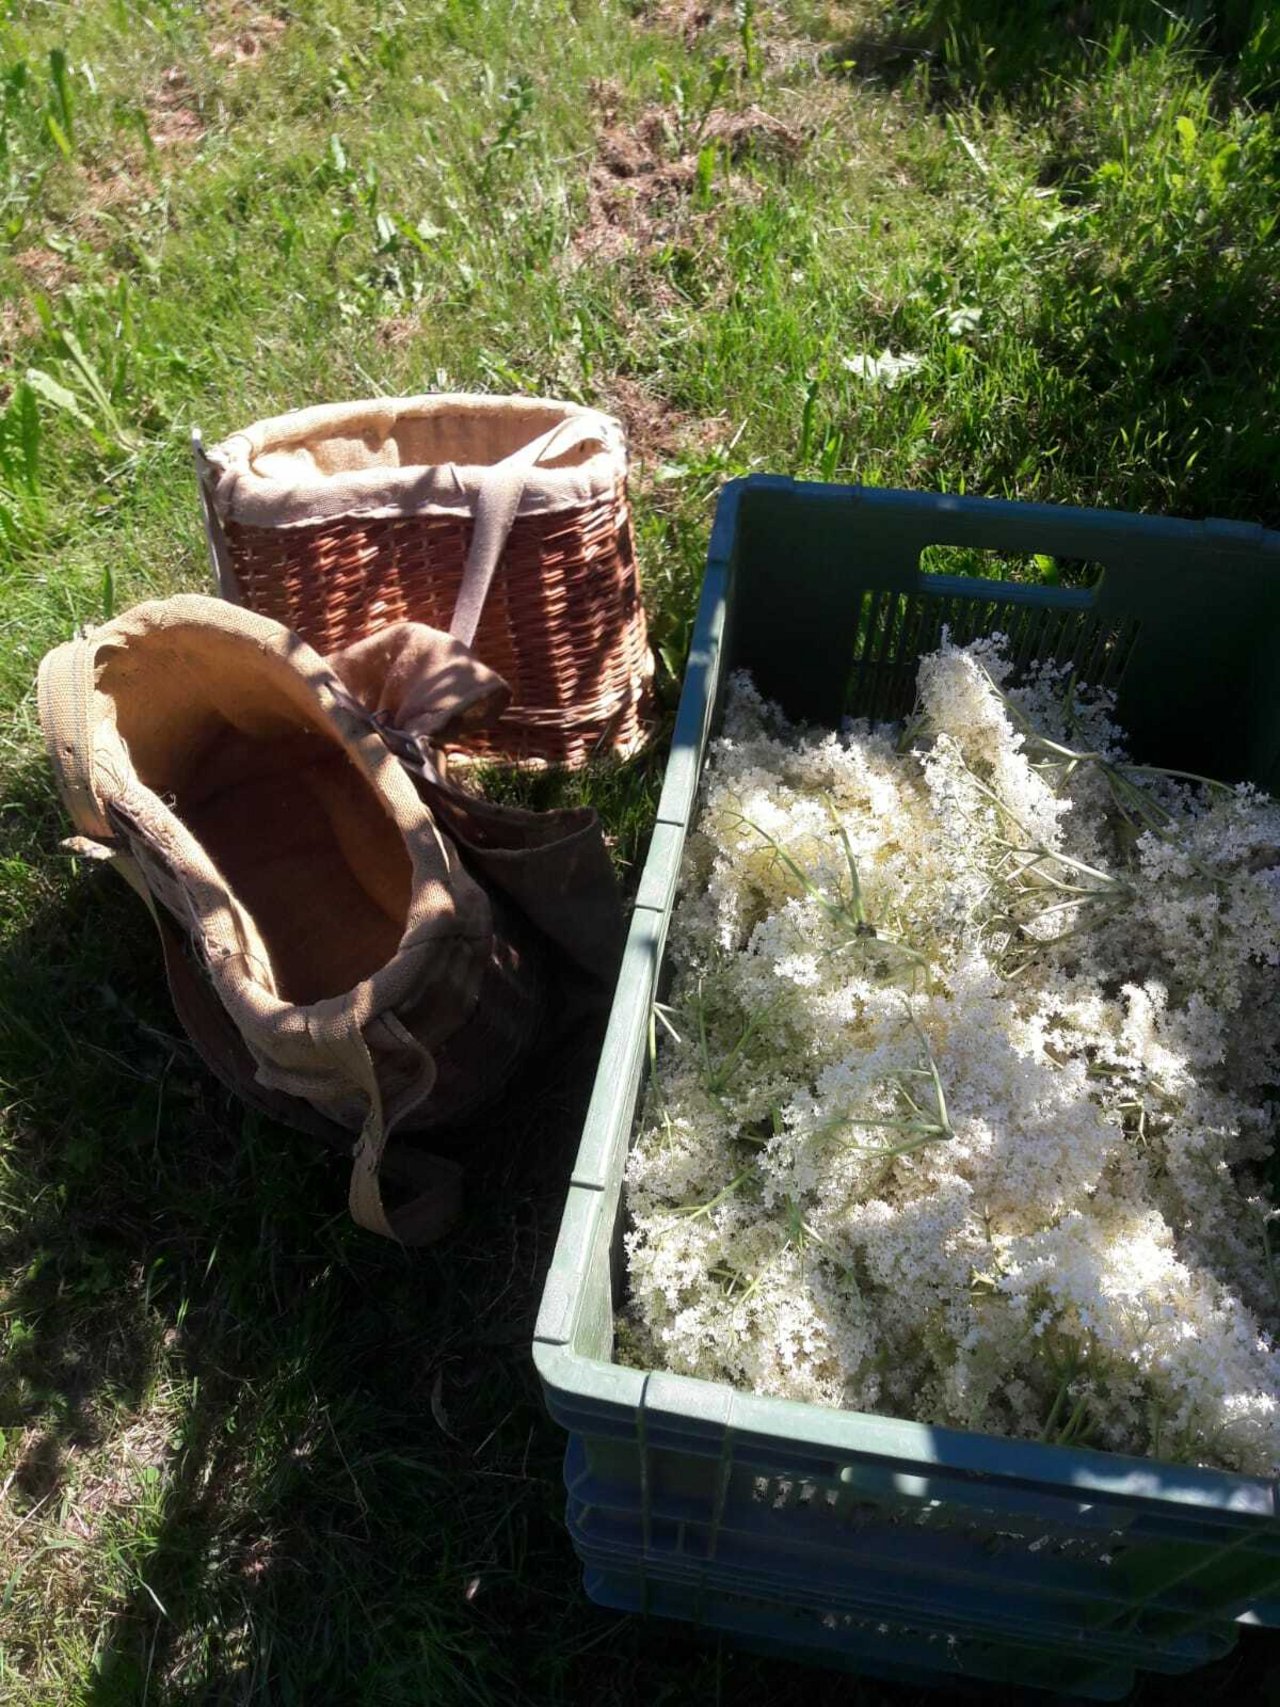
[966, 1109]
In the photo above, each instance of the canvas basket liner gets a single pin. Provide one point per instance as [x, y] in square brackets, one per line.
[503, 520]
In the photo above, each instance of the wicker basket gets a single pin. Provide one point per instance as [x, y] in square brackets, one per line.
[502, 519]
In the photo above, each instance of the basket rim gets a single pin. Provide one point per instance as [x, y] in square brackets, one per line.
[267, 474]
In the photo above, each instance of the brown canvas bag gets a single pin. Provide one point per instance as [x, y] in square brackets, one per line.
[352, 944]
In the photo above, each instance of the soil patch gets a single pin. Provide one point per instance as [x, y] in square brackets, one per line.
[172, 119]
[640, 184]
[103, 194]
[45, 269]
[17, 325]
[247, 36]
[657, 431]
[398, 329]
[687, 19]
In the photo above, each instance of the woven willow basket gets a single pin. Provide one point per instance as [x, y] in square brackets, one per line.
[501, 519]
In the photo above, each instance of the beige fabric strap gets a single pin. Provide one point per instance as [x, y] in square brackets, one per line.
[430, 1214]
[497, 503]
[65, 690]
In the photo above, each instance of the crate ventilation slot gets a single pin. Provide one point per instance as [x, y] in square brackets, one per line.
[895, 630]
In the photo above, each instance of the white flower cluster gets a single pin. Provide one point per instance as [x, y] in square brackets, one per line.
[963, 1104]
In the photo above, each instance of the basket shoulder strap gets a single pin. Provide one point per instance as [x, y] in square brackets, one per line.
[497, 502]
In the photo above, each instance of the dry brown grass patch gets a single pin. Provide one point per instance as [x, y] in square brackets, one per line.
[640, 184]
[657, 431]
[18, 324]
[688, 19]
[244, 36]
[397, 330]
[172, 119]
[44, 268]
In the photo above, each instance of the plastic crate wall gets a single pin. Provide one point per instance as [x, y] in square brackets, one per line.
[715, 1494]
[916, 1652]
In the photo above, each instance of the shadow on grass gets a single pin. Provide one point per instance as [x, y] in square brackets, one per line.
[1014, 48]
[358, 1477]
[1183, 362]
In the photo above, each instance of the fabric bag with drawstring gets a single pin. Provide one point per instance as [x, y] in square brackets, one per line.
[353, 945]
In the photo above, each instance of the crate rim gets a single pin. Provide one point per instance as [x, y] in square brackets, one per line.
[716, 1413]
[1089, 523]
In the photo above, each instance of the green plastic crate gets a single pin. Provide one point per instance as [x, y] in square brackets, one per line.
[881, 1544]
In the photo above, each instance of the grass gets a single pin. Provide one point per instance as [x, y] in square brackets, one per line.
[246, 1453]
